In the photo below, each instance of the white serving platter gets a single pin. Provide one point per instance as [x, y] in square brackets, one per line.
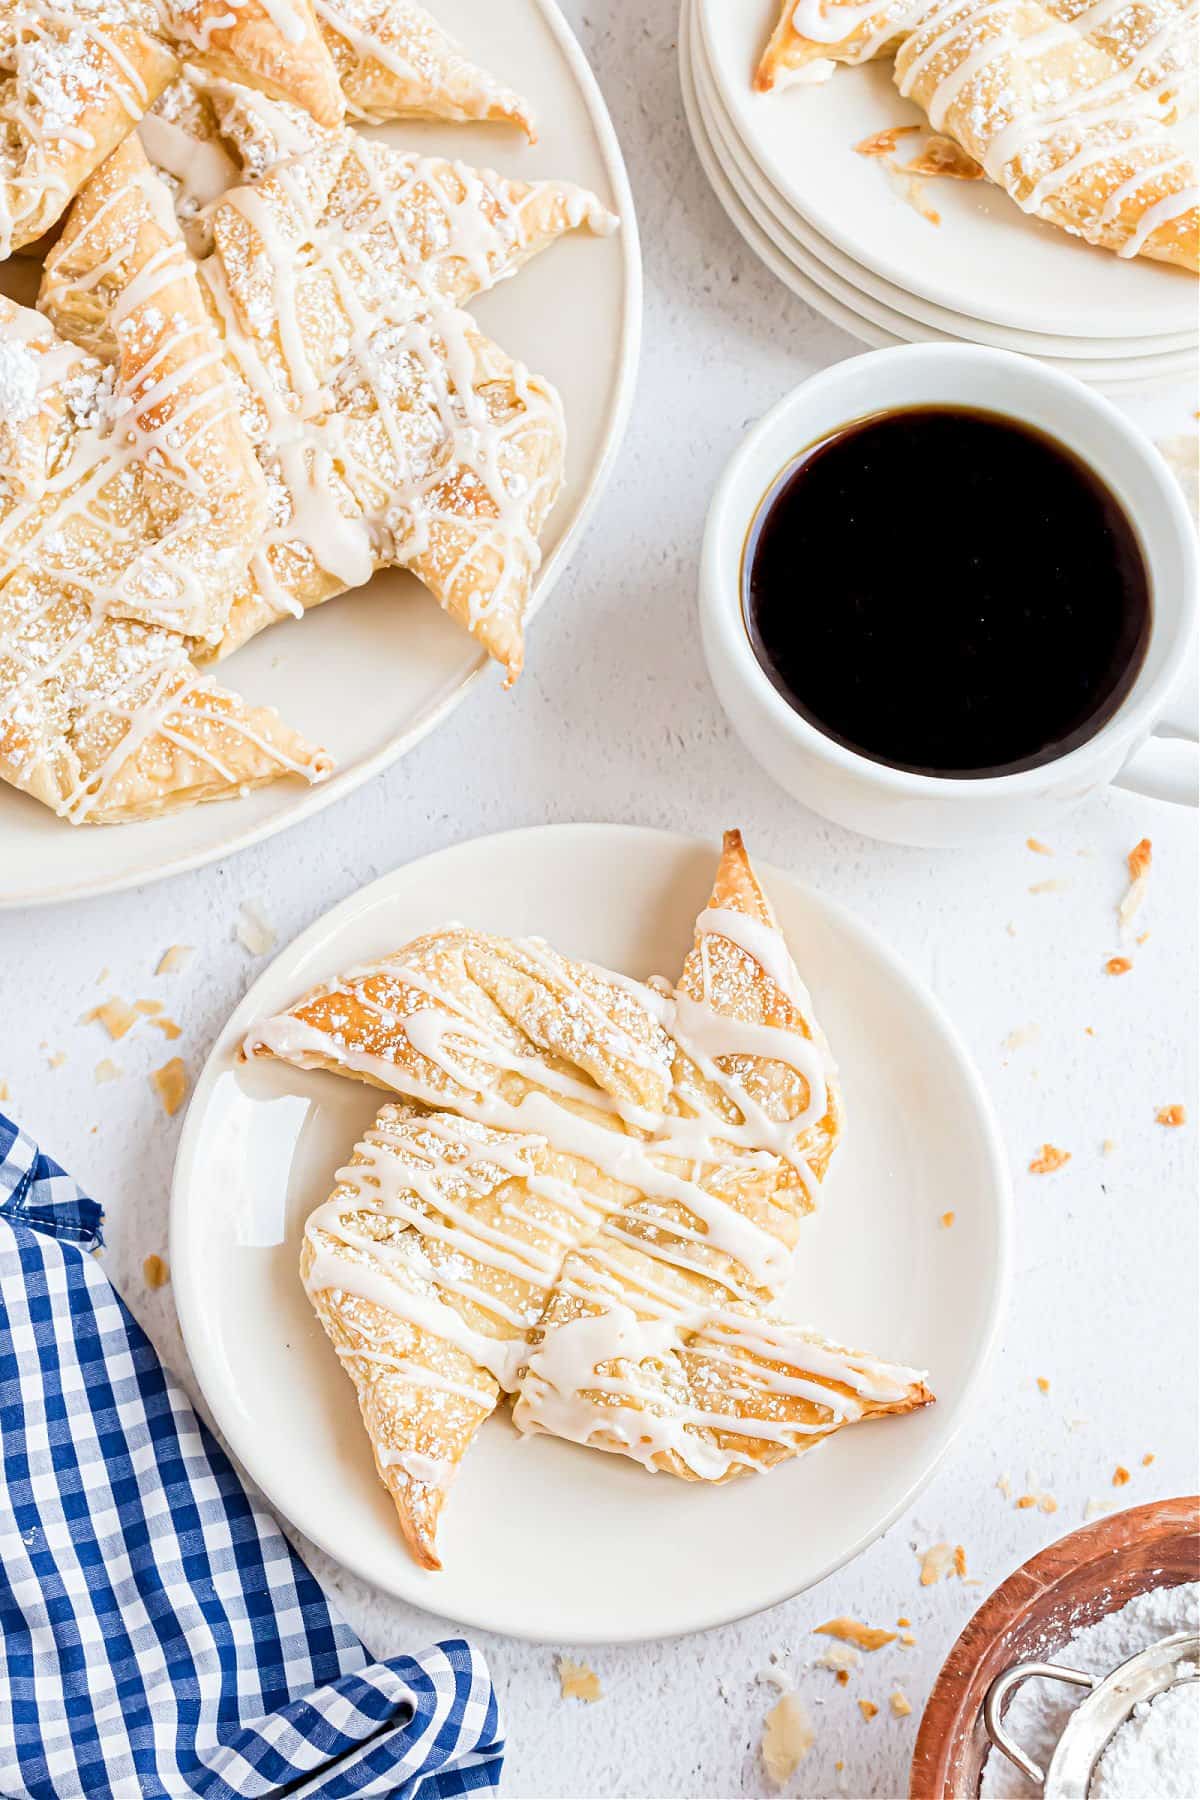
[542, 1539]
[372, 672]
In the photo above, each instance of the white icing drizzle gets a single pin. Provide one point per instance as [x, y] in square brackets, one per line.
[648, 1150]
[1155, 41]
[430, 74]
[438, 477]
[1052, 102]
[1160, 212]
[71, 84]
[529, 1224]
[710, 1372]
[831, 21]
[195, 22]
[122, 523]
[540, 1172]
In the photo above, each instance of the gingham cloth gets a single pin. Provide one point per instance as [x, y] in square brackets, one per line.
[158, 1637]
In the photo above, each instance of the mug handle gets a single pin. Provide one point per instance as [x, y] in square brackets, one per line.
[1167, 765]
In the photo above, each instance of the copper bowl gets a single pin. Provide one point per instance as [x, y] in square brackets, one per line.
[1041, 1606]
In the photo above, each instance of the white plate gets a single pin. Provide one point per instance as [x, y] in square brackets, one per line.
[989, 260]
[736, 210]
[574, 314]
[813, 289]
[1108, 372]
[791, 229]
[542, 1539]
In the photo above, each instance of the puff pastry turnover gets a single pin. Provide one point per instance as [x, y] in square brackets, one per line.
[1061, 102]
[1154, 39]
[588, 1196]
[130, 503]
[396, 62]
[392, 432]
[275, 46]
[77, 75]
[73, 81]
[1057, 123]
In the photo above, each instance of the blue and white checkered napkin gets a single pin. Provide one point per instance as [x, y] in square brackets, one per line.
[158, 1637]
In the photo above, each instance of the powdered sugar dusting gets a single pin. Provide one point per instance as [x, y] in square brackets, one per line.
[1040, 1710]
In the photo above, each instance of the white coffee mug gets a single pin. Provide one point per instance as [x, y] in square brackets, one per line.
[943, 811]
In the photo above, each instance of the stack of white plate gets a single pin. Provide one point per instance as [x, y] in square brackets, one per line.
[838, 229]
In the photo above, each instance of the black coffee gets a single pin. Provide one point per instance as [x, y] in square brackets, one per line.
[948, 591]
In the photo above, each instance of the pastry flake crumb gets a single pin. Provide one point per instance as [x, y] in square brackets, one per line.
[947, 1220]
[167, 1026]
[156, 1272]
[1005, 1486]
[904, 1621]
[254, 931]
[853, 1631]
[1025, 1501]
[177, 957]
[1037, 846]
[1143, 937]
[1117, 965]
[56, 1059]
[777, 1674]
[941, 1560]
[1138, 864]
[103, 976]
[1108, 1146]
[148, 1007]
[1048, 1504]
[1097, 1507]
[116, 1016]
[107, 1070]
[867, 1708]
[1043, 1385]
[1049, 1158]
[841, 1657]
[4, 1093]
[577, 1681]
[942, 156]
[843, 1677]
[899, 1704]
[787, 1738]
[1120, 1475]
[1024, 1034]
[883, 143]
[170, 1084]
[907, 1639]
[1055, 886]
[1171, 1115]
[1147, 1459]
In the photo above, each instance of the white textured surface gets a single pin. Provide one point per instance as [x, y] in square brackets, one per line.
[615, 719]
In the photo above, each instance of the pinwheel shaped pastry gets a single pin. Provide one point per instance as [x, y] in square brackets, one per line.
[77, 75]
[1062, 103]
[391, 431]
[131, 501]
[588, 1195]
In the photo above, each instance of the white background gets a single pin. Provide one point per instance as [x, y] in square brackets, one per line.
[614, 719]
